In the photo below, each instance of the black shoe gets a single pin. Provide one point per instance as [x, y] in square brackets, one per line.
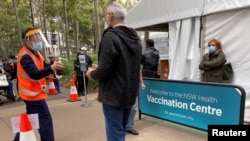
[133, 132]
[82, 94]
[12, 98]
[19, 99]
[79, 94]
[1, 102]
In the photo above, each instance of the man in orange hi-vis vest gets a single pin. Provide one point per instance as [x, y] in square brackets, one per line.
[31, 73]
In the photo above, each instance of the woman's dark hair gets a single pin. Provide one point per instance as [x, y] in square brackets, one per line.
[24, 32]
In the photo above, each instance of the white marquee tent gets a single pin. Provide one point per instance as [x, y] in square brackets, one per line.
[191, 24]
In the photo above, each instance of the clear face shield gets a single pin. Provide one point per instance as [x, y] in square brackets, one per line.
[37, 37]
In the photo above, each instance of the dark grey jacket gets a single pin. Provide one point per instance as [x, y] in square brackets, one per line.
[150, 60]
[118, 69]
[211, 66]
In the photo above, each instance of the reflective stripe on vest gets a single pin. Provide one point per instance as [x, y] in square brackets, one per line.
[28, 88]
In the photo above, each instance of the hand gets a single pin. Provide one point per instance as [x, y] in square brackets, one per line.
[94, 66]
[56, 66]
[143, 86]
[88, 73]
[9, 77]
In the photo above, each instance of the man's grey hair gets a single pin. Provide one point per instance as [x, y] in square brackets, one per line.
[117, 9]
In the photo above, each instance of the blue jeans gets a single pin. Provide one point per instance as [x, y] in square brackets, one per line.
[45, 119]
[130, 123]
[115, 122]
[57, 85]
[10, 89]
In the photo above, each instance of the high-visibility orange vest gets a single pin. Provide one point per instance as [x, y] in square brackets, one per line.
[28, 88]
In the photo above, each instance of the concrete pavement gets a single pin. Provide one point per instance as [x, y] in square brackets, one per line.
[72, 122]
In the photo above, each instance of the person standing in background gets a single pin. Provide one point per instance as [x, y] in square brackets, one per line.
[118, 71]
[1, 73]
[150, 60]
[79, 73]
[31, 73]
[212, 62]
[13, 67]
[130, 124]
[13, 72]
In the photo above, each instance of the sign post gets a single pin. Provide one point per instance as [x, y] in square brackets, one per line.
[83, 68]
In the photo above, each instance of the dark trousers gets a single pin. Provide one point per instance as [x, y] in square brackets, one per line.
[81, 85]
[10, 88]
[149, 73]
[45, 120]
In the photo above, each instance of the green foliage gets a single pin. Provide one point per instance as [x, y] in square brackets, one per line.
[93, 84]
[94, 58]
[68, 69]
[78, 11]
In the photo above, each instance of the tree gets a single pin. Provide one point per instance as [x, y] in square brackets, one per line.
[97, 25]
[82, 28]
[17, 21]
[66, 27]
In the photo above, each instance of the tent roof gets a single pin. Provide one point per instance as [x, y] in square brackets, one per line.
[155, 14]
[156, 27]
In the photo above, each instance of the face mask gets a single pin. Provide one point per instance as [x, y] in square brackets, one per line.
[211, 49]
[105, 26]
[106, 22]
[37, 46]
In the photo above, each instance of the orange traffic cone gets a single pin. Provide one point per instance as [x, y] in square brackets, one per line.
[52, 89]
[26, 131]
[73, 96]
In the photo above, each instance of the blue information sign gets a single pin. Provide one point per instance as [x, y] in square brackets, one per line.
[191, 103]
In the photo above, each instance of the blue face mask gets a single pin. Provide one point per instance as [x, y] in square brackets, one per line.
[38, 46]
[211, 49]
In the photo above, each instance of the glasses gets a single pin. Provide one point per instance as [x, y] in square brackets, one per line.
[103, 17]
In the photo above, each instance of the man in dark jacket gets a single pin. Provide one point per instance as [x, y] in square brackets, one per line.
[80, 84]
[118, 71]
[150, 60]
